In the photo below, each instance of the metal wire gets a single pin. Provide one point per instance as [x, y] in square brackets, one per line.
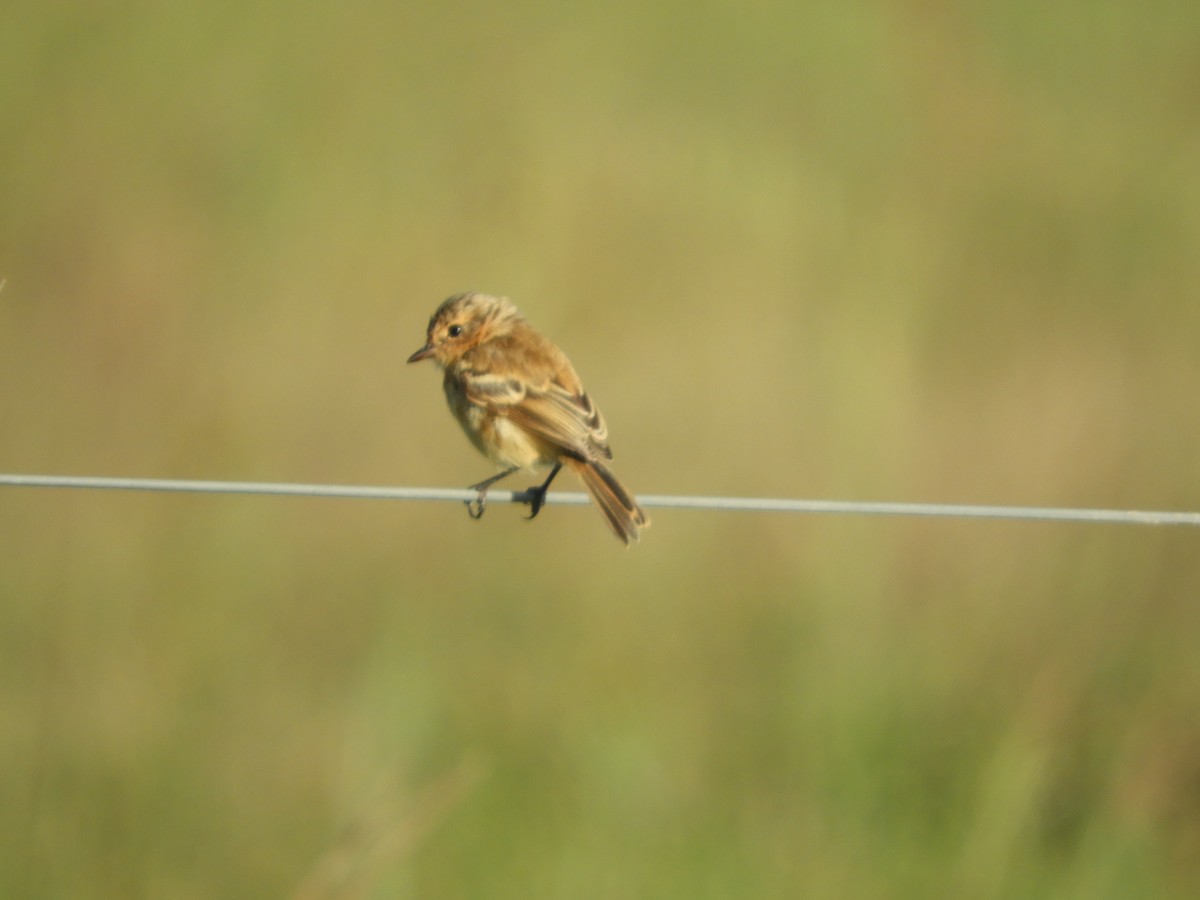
[658, 501]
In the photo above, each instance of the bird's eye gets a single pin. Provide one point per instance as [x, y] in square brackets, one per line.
[454, 330]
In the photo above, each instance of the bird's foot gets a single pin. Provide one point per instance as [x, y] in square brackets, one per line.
[537, 498]
[476, 507]
[537, 494]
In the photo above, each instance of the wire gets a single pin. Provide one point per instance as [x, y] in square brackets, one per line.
[729, 504]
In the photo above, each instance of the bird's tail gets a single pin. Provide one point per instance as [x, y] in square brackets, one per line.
[620, 508]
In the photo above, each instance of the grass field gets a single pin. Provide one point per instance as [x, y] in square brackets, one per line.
[939, 252]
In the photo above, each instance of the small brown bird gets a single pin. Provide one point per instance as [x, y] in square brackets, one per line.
[520, 402]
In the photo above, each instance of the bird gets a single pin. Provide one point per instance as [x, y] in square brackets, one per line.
[517, 397]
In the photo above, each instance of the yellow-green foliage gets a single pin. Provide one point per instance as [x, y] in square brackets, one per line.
[944, 252]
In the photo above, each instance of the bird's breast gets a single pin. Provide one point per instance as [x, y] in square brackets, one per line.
[494, 434]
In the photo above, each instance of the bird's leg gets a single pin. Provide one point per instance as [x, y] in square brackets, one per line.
[475, 507]
[538, 494]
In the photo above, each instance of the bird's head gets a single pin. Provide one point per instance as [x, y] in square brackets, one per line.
[465, 321]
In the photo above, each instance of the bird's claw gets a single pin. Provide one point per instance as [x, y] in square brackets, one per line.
[537, 498]
[475, 507]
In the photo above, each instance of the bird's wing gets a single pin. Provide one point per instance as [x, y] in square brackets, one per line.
[546, 408]
[492, 389]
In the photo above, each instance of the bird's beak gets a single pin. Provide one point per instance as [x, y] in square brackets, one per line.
[424, 353]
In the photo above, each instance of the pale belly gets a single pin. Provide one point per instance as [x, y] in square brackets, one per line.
[502, 441]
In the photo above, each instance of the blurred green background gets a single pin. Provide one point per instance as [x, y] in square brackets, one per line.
[895, 251]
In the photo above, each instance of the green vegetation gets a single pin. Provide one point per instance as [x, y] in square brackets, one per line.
[856, 251]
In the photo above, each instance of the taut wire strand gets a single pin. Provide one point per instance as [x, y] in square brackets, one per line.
[658, 501]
